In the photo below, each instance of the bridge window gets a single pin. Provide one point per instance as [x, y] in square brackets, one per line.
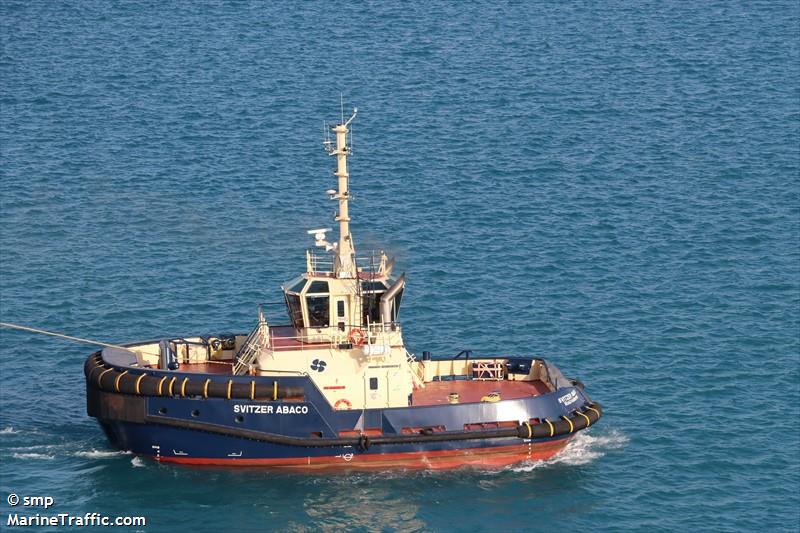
[371, 301]
[318, 287]
[295, 311]
[318, 302]
[371, 305]
[371, 292]
[371, 286]
[318, 311]
[297, 287]
[396, 304]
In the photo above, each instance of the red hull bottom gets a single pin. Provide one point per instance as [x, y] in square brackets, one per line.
[436, 460]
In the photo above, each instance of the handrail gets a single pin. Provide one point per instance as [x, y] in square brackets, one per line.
[332, 338]
[253, 344]
[418, 375]
[373, 261]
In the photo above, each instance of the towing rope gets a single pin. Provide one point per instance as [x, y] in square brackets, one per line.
[71, 338]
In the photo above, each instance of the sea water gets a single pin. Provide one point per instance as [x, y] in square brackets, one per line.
[612, 186]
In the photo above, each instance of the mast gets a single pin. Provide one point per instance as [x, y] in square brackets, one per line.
[345, 253]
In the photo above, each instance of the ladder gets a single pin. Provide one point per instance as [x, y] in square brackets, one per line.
[416, 380]
[255, 342]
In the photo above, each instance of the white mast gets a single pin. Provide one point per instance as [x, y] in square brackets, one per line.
[345, 253]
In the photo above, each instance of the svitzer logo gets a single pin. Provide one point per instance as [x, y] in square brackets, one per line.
[271, 409]
[569, 398]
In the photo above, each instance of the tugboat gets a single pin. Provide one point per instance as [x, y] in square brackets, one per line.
[336, 386]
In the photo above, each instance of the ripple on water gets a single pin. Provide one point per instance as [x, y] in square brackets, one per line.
[613, 187]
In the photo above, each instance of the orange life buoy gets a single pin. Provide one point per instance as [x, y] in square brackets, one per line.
[357, 336]
[342, 402]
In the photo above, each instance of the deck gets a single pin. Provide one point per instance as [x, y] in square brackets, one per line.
[213, 367]
[436, 392]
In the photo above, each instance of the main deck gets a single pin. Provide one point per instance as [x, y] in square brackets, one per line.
[469, 391]
[433, 393]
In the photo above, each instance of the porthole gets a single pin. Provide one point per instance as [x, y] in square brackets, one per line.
[239, 419]
[195, 413]
[162, 411]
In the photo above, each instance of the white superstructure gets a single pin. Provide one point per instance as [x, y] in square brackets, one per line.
[343, 311]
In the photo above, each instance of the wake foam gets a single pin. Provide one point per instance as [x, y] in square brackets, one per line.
[45, 456]
[100, 454]
[583, 449]
[8, 430]
[137, 462]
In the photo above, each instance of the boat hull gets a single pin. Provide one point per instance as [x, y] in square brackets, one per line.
[180, 446]
[286, 422]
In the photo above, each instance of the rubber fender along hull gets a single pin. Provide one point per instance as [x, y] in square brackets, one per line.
[144, 382]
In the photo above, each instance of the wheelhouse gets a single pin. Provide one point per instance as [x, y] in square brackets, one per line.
[321, 302]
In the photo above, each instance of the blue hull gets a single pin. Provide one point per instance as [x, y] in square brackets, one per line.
[177, 445]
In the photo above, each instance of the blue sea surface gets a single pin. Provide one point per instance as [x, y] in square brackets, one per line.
[614, 186]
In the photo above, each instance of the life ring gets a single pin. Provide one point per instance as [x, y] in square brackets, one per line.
[342, 402]
[357, 336]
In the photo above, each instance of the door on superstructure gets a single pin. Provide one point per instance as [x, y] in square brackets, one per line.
[376, 388]
[340, 313]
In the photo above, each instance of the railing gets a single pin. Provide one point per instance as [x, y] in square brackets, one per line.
[256, 341]
[371, 262]
[317, 263]
[333, 337]
[282, 343]
[417, 374]
[380, 327]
